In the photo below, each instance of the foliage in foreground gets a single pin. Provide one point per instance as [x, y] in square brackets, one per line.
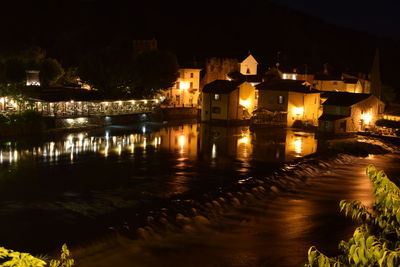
[377, 241]
[10, 258]
[27, 121]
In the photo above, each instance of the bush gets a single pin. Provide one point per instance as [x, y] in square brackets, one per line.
[28, 121]
[12, 258]
[377, 241]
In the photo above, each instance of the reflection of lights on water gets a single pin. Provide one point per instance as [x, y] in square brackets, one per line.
[119, 150]
[243, 143]
[243, 140]
[214, 151]
[297, 143]
[181, 142]
[106, 151]
[75, 144]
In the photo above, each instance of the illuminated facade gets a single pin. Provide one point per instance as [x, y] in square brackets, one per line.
[297, 101]
[32, 78]
[350, 112]
[248, 66]
[186, 91]
[346, 83]
[228, 101]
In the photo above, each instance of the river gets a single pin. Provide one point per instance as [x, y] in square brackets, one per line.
[84, 188]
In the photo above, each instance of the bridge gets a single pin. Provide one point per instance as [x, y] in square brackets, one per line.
[75, 109]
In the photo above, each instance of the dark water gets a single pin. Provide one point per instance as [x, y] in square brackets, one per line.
[78, 187]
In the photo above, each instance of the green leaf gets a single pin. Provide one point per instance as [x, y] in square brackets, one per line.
[370, 241]
[311, 257]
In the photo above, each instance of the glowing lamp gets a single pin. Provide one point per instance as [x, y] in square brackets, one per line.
[184, 85]
[298, 111]
[245, 102]
[367, 118]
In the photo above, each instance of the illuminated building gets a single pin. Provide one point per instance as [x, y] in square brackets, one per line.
[186, 91]
[248, 66]
[290, 100]
[32, 78]
[349, 112]
[225, 100]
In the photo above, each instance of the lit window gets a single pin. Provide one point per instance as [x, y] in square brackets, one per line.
[216, 97]
[281, 99]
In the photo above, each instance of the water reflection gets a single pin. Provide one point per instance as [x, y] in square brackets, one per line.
[186, 141]
[268, 145]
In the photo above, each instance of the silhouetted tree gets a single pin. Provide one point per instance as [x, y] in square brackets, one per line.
[116, 74]
[14, 65]
[154, 71]
[50, 71]
[108, 70]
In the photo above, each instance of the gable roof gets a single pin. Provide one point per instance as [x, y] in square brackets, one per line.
[325, 77]
[250, 57]
[286, 85]
[345, 99]
[350, 80]
[221, 87]
[239, 77]
[332, 117]
[392, 110]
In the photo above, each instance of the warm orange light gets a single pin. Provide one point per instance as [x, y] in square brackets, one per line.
[367, 117]
[243, 140]
[245, 102]
[184, 85]
[298, 110]
[297, 144]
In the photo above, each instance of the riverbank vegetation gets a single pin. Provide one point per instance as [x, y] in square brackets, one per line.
[376, 242]
[25, 122]
[12, 258]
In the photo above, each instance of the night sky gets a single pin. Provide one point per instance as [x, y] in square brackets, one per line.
[305, 32]
[376, 17]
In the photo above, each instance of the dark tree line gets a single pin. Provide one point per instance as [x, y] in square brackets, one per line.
[14, 64]
[113, 71]
[116, 73]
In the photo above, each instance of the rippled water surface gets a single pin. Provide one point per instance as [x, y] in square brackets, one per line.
[77, 187]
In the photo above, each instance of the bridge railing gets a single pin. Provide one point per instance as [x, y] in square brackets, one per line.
[95, 108]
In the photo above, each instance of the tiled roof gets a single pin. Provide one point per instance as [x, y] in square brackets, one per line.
[286, 85]
[331, 117]
[239, 77]
[221, 87]
[392, 110]
[344, 99]
[324, 77]
[350, 80]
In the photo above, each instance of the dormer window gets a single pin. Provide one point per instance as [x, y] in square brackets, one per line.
[216, 97]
